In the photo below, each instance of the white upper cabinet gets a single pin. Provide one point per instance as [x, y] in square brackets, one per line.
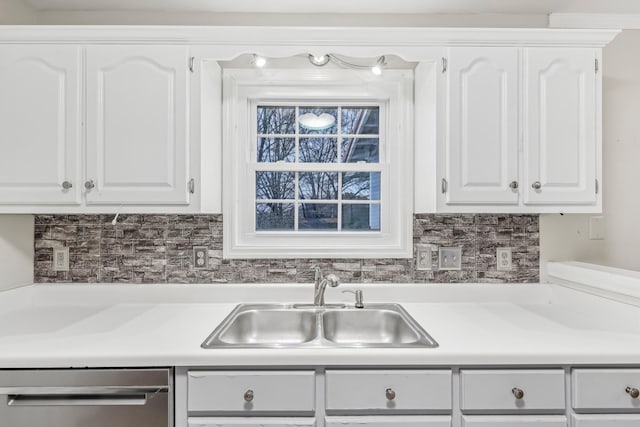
[482, 125]
[40, 125]
[560, 126]
[137, 125]
[521, 131]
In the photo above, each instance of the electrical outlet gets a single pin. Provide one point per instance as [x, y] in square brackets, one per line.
[596, 228]
[503, 256]
[61, 259]
[450, 258]
[423, 257]
[200, 256]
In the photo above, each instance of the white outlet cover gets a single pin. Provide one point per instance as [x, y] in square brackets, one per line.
[596, 228]
[200, 256]
[423, 257]
[450, 258]
[503, 257]
[61, 259]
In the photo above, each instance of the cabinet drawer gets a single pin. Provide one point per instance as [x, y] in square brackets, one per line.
[484, 391]
[393, 391]
[514, 421]
[390, 421]
[248, 392]
[251, 422]
[605, 389]
[612, 420]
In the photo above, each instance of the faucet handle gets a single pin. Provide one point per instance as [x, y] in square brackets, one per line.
[358, 294]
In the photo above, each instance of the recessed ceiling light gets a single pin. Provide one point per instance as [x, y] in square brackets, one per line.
[320, 60]
[259, 61]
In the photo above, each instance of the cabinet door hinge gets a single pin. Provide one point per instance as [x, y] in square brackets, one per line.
[597, 187]
[597, 66]
[192, 60]
[443, 186]
[444, 65]
[192, 186]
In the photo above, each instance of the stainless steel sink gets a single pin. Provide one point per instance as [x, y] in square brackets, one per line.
[289, 326]
[270, 327]
[371, 327]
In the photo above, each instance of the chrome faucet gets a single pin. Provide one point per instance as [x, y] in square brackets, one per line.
[321, 285]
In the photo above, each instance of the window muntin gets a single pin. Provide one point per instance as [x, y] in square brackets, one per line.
[306, 179]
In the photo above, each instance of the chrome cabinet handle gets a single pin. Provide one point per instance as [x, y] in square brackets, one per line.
[67, 185]
[518, 393]
[633, 392]
[513, 185]
[89, 184]
[536, 185]
[248, 395]
[390, 394]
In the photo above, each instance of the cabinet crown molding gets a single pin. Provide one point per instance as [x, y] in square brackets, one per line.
[309, 36]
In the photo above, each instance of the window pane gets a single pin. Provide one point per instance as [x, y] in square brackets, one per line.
[317, 121]
[318, 150]
[276, 150]
[361, 217]
[316, 216]
[361, 120]
[276, 120]
[319, 185]
[274, 216]
[275, 185]
[360, 150]
[361, 185]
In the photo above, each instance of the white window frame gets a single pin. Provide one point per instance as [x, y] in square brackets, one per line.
[244, 88]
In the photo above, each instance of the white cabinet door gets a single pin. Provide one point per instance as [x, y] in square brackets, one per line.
[137, 147]
[250, 422]
[610, 420]
[515, 421]
[247, 392]
[560, 126]
[40, 124]
[389, 421]
[482, 125]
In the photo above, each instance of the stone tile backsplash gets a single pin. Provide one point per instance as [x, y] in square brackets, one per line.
[158, 249]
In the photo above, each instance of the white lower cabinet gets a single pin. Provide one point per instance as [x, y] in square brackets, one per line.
[514, 391]
[251, 422]
[388, 391]
[609, 420]
[246, 392]
[606, 390]
[392, 421]
[514, 421]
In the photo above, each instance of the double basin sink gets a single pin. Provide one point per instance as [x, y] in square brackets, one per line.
[308, 326]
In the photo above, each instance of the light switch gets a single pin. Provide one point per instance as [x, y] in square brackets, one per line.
[450, 258]
[61, 259]
[423, 257]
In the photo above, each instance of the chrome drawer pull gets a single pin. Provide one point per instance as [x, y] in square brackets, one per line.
[633, 392]
[518, 393]
[390, 394]
[248, 395]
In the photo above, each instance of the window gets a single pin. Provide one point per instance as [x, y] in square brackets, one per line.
[317, 164]
[317, 167]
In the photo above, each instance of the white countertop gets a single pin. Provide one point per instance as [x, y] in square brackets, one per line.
[163, 325]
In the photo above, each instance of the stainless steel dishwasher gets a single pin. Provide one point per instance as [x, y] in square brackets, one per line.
[86, 398]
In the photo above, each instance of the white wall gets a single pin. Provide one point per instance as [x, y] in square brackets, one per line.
[14, 12]
[566, 237]
[16, 251]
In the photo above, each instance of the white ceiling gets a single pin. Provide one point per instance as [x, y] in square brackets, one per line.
[347, 6]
